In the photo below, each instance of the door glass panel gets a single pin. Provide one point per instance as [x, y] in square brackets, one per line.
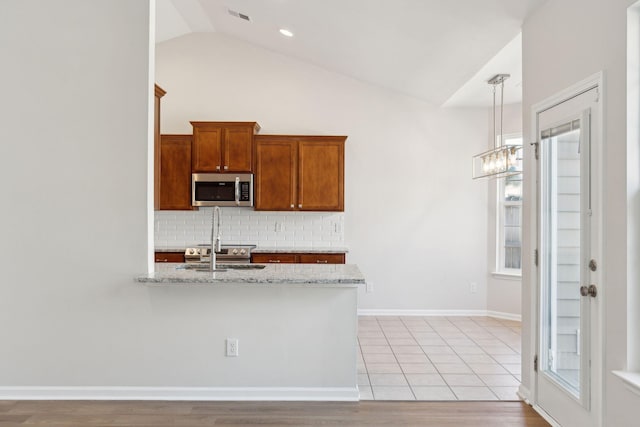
[561, 268]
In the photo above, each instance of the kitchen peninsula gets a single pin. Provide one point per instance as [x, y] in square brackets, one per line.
[306, 275]
[295, 326]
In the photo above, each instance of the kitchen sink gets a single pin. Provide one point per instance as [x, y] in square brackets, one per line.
[220, 267]
[242, 266]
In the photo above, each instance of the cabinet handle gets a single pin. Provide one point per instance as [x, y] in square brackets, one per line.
[274, 260]
[163, 260]
[218, 167]
[226, 168]
[291, 206]
[300, 205]
[322, 261]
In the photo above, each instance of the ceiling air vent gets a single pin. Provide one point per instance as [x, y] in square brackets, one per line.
[239, 15]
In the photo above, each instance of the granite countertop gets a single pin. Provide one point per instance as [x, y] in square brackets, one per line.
[272, 249]
[170, 248]
[302, 275]
[299, 250]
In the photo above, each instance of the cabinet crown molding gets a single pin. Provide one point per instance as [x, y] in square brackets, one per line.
[203, 124]
[159, 91]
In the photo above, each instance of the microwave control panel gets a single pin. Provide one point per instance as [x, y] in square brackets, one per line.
[245, 191]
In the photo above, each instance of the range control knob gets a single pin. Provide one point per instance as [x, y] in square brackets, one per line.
[235, 252]
[191, 251]
[242, 252]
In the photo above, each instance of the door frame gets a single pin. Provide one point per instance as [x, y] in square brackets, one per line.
[597, 165]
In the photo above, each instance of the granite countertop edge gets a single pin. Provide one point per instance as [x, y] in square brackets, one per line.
[292, 275]
[299, 249]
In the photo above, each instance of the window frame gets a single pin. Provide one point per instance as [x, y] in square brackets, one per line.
[499, 269]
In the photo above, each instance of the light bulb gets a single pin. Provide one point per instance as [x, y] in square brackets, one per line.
[513, 157]
[485, 165]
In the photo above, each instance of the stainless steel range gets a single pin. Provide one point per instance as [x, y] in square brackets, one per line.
[228, 254]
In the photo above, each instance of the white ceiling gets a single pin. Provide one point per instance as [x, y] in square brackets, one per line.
[441, 51]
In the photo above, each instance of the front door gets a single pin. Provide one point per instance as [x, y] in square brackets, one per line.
[568, 368]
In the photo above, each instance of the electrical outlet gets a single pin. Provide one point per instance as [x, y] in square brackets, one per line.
[337, 227]
[232, 347]
[369, 287]
[473, 287]
[278, 227]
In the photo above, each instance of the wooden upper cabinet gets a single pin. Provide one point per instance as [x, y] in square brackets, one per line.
[159, 93]
[238, 150]
[274, 182]
[207, 149]
[321, 174]
[175, 172]
[296, 172]
[220, 147]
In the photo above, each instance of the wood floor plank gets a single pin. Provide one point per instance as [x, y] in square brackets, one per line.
[236, 414]
[6, 405]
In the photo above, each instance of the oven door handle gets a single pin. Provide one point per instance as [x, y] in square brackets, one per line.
[237, 191]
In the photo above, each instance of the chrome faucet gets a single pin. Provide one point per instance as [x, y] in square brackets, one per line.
[216, 240]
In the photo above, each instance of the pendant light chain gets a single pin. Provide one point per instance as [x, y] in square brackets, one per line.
[501, 109]
[495, 137]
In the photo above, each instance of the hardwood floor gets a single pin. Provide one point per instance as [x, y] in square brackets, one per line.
[364, 413]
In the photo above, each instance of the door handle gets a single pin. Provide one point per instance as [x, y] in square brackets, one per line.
[589, 291]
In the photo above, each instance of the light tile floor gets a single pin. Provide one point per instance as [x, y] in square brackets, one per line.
[438, 358]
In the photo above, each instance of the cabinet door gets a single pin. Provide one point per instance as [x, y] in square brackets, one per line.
[274, 258]
[275, 180]
[321, 174]
[238, 149]
[207, 149]
[321, 258]
[169, 256]
[175, 172]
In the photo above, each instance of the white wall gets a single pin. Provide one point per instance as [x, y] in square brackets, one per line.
[74, 186]
[503, 293]
[555, 56]
[73, 177]
[414, 221]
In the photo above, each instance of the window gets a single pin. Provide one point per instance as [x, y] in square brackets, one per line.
[509, 219]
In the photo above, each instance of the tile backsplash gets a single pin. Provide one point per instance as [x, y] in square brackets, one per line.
[244, 225]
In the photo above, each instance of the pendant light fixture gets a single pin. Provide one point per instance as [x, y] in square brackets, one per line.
[503, 160]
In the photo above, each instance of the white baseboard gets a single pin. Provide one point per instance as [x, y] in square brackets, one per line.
[524, 394]
[327, 394]
[505, 316]
[400, 312]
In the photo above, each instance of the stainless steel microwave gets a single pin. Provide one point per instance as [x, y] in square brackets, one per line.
[222, 189]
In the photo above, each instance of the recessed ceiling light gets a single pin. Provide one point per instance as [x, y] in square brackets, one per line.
[286, 32]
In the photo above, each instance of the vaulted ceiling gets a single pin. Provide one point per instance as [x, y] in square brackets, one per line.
[440, 51]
